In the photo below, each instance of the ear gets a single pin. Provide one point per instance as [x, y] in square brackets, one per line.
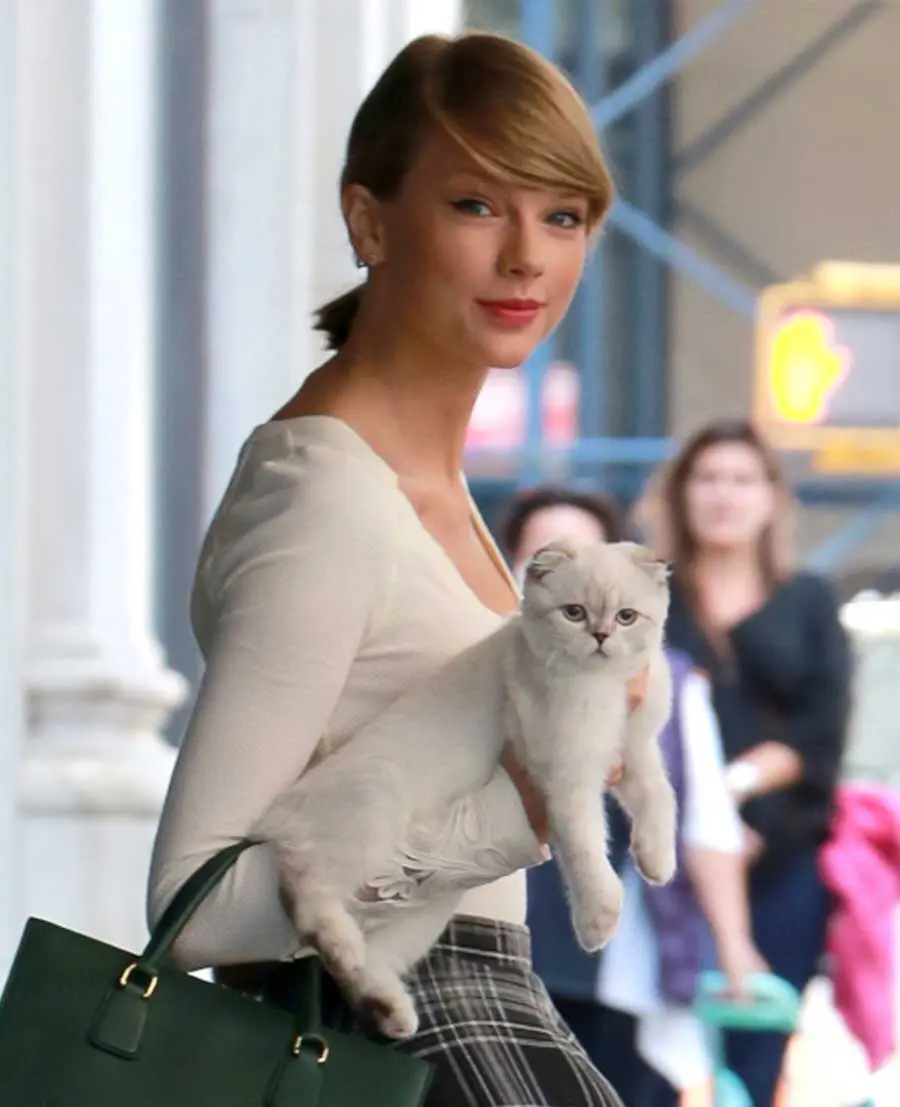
[550, 557]
[654, 566]
[362, 214]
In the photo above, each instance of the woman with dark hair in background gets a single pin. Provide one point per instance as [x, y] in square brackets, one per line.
[630, 1006]
[537, 515]
[771, 641]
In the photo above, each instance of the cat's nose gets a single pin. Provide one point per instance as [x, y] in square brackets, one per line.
[600, 637]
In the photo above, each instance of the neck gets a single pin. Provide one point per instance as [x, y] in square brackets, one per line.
[413, 398]
[728, 565]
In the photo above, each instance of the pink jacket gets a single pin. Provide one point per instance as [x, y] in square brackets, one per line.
[860, 864]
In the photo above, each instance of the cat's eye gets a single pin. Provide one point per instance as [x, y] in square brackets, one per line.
[626, 617]
[574, 612]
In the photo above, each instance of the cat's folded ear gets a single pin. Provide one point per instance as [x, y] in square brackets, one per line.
[652, 564]
[550, 557]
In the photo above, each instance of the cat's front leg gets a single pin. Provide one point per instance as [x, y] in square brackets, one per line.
[578, 834]
[649, 799]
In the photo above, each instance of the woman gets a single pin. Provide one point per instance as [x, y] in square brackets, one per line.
[347, 559]
[772, 643]
[630, 1006]
[537, 516]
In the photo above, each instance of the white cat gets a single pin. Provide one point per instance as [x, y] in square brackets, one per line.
[551, 683]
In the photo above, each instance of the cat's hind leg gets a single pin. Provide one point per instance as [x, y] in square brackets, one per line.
[393, 949]
[324, 922]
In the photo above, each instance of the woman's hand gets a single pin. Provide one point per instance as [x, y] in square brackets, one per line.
[486, 835]
[738, 959]
[637, 689]
[754, 844]
[531, 798]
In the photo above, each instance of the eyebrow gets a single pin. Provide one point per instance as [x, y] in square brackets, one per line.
[464, 178]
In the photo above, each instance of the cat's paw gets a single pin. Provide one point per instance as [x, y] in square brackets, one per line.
[338, 940]
[392, 1010]
[595, 921]
[655, 857]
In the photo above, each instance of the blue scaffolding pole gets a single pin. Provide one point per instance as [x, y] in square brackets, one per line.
[538, 29]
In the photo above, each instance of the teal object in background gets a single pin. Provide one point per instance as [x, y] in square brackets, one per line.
[771, 1004]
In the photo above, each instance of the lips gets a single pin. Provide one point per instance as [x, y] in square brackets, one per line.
[515, 313]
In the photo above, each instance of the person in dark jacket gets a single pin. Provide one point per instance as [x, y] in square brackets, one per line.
[779, 661]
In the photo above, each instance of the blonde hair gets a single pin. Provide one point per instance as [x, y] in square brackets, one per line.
[662, 511]
[512, 111]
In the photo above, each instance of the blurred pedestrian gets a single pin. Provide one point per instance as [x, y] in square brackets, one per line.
[771, 641]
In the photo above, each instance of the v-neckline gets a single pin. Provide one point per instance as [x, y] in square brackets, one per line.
[480, 527]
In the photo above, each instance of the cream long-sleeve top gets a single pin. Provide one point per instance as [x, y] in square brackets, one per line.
[319, 598]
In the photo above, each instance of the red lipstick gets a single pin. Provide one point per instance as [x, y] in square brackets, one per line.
[512, 313]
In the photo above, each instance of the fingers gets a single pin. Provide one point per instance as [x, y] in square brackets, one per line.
[754, 844]
[637, 689]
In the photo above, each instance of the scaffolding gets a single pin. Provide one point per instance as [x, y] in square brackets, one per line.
[616, 450]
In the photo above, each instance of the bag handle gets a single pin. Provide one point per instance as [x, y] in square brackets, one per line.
[306, 984]
[188, 898]
[119, 1024]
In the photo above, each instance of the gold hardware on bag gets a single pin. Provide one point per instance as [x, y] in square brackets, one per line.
[126, 976]
[321, 1044]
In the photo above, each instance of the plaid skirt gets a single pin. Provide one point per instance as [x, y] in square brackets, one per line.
[486, 1023]
[490, 1029]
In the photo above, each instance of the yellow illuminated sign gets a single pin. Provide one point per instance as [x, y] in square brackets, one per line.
[825, 378]
[806, 367]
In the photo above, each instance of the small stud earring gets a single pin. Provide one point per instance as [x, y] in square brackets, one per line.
[360, 263]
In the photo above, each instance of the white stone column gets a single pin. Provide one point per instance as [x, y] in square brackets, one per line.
[11, 561]
[95, 769]
[873, 745]
[259, 218]
[355, 40]
[285, 78]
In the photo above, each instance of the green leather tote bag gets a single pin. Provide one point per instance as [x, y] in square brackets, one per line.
[83, 1024]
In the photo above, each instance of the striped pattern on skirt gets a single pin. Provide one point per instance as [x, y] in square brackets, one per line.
[490, 1029]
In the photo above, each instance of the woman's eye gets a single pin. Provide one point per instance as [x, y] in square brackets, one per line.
[626, 616]
[568, 220]
[574, 612]
[471, 206]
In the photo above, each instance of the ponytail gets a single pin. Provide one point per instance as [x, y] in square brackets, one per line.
[335, 319]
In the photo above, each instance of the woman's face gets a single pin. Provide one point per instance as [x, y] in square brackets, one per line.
[551, 523]
[729, 498]
[480, 271]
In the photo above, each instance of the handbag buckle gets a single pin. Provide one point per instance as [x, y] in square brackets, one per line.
[126, 977]
[320, 1043]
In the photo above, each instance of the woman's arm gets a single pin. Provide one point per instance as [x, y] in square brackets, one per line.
[814, 732]
[291, 588]
[713, 842]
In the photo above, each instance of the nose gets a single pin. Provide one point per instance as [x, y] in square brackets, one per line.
[600, 637]
[520, 252]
